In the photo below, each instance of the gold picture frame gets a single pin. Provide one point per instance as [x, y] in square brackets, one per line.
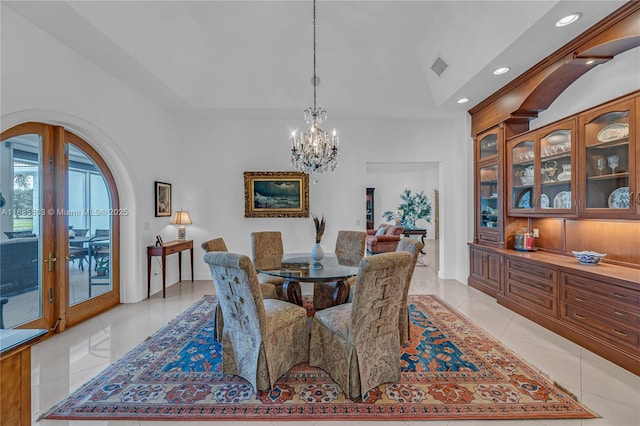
[276, 194]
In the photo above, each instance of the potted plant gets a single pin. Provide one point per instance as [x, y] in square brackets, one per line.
[413, 207]
[102, 265]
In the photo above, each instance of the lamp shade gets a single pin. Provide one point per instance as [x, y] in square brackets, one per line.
[181, 218]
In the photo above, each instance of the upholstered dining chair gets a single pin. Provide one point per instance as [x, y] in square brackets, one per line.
[412, 246]
[261, 339]
[358, 343]
[268, 290]
[216, 244]
[266, 252]
[350, 248]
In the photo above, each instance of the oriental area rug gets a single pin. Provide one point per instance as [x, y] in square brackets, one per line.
[451, 369]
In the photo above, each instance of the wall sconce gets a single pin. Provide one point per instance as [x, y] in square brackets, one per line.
[181, 218]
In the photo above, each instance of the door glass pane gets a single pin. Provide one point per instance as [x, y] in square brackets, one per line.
[607, 161]
[489, 197]
[21, 223]
[89, 229]
[522, 175]
[555, 170]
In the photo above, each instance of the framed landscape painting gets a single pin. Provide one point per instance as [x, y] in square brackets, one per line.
[163, 199]
[276, 194]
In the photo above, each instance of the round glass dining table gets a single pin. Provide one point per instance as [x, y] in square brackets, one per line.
[300, 267]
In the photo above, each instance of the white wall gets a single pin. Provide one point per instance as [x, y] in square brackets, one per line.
[391, 179]
[45, 81]
[219, 151]
[204, 158]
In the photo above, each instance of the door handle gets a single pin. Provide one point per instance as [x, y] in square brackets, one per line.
[50, 261]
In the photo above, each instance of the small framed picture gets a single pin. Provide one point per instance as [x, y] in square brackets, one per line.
[163, 199]
[159, 241]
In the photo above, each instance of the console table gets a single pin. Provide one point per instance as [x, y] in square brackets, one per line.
[422, 232]
[177, 246]
[15, 380]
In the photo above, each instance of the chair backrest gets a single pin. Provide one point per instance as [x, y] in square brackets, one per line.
[412, 246]
[376, 304]
[80, 232]
[216, 244]
[351, 245]
[238, 293]
[393, 230]
[266, 249]
[102, 233]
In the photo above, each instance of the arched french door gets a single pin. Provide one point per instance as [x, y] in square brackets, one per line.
[60, 229]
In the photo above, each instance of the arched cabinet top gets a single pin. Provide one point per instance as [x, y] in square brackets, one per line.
[535, 90]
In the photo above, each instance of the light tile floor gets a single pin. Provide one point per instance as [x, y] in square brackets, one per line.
[64, 362]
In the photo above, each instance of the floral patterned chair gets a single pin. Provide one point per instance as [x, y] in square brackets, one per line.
[384, 239]
[413, 247]
[261, 339]
[350, 248]
[266, 252]
[268, 290]
[358, 343]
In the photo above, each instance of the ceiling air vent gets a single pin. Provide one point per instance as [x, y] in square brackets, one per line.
[439, 66]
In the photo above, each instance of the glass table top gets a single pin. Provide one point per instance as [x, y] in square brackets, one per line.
[301, 267]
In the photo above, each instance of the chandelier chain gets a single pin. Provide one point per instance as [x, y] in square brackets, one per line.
[314, 150]
[315, 78]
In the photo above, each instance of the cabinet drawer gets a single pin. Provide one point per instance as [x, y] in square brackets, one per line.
[538, 301]
[531, 282]
[539, 274]
[171, 250]
[593, 323]
[612, 292]
[488, 237]
[594, 302]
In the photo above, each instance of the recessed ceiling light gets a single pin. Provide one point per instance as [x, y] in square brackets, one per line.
[463, 100]
[590, 61]
[501, 70]
[569, 19]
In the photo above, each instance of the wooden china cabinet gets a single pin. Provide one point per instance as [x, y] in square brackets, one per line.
[609, 155]
[540, 165]
[577, 182]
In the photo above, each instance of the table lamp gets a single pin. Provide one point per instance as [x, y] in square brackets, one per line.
[181, 218]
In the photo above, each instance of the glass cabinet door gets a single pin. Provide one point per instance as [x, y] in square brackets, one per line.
[556, 169]
[489, 198]
[521, 182]
[608, 160]
[488, 146]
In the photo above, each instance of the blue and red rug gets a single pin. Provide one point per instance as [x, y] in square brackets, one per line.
[451, 370]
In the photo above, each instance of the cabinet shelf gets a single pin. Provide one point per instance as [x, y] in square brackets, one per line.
[557, 182]
[609, 176]
[523, 163]
[522, 186]
[608, 144]
[558, 156]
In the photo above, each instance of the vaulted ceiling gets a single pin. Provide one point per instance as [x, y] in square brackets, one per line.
[254, 58]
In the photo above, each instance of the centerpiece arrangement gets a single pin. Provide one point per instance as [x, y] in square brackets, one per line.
[414, 206]
[316, 252]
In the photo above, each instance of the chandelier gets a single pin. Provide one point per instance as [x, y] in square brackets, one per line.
[314, 151]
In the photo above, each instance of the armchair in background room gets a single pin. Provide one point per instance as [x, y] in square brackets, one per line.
[384, 239]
